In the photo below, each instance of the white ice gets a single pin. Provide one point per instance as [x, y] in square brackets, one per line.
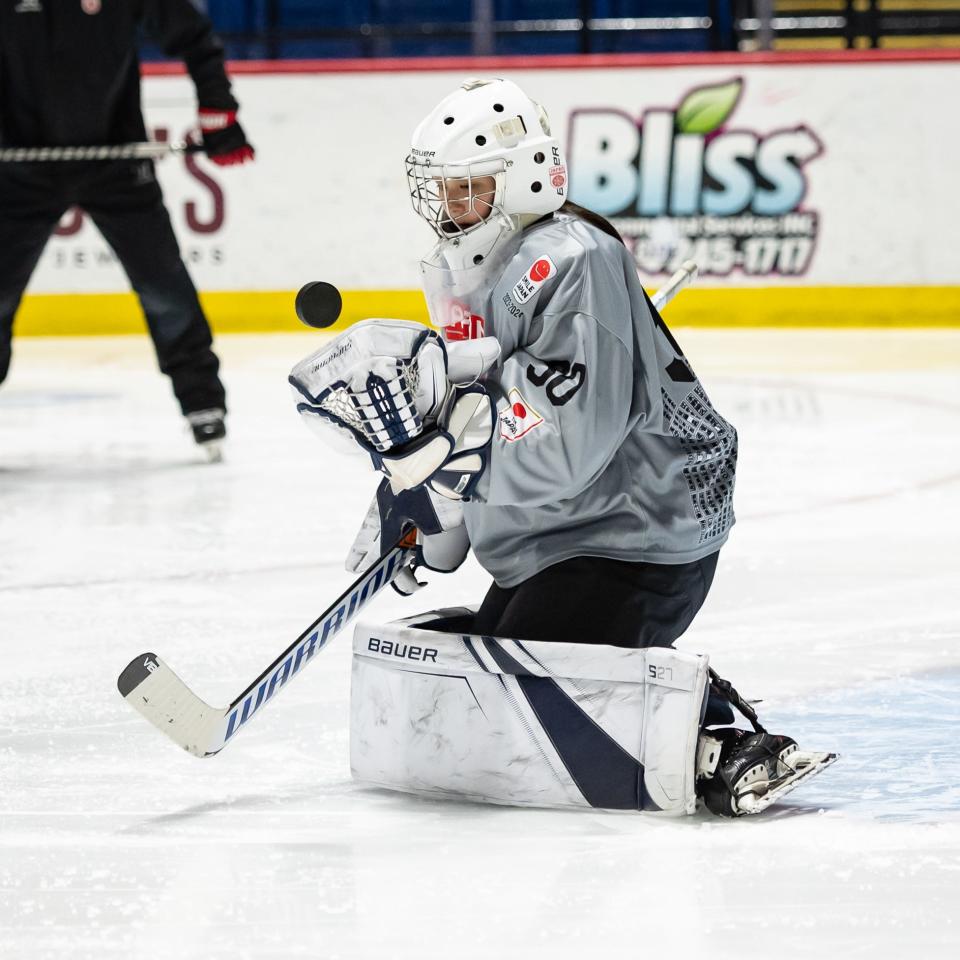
[836, 601]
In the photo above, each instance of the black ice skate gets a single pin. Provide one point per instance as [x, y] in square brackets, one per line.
[741, 772]
[209, 431]
[755, 770]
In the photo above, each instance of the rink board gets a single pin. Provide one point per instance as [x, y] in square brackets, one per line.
[810, 190]
[272, 311]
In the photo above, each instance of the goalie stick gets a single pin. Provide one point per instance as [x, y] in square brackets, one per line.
[156, 692]
[153, 689]
[684, 276]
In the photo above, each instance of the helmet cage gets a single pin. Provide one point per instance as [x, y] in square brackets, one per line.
[429, 190]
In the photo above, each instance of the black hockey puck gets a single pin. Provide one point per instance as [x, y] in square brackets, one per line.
[318, 304]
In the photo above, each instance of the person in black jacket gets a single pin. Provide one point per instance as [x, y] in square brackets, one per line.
[70, 75]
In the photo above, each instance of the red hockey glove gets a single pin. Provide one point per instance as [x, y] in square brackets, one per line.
[224, 141]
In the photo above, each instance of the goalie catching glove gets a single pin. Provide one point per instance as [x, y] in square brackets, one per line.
[410, 401]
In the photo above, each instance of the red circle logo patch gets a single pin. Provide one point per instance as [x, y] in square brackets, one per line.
[540, 270]
[519, 411]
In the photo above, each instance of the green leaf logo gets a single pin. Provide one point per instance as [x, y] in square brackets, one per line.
[705, 108]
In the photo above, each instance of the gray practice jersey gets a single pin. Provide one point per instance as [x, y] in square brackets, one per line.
[606, 444]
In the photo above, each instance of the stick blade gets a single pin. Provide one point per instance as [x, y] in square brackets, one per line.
[156, 692]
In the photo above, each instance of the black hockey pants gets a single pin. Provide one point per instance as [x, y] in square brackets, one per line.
[596, 600]
[124, 200]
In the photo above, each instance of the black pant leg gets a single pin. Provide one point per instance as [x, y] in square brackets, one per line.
[492, 610]
[663, 602]
[596, 600]
[31, 203]
[125, 202]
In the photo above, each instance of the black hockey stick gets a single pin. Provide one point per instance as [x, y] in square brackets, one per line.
[153, 689]
[148, 150]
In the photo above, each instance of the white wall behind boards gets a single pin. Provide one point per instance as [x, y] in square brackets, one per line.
[813, 174]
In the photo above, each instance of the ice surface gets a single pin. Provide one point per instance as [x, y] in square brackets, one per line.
[836, 601]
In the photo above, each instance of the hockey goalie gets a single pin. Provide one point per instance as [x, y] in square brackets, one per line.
[555, 428]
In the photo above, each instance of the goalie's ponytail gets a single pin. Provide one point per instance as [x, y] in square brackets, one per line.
[601, 223]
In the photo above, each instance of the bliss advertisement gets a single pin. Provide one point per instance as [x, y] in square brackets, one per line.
[831, 181]
[688, 182]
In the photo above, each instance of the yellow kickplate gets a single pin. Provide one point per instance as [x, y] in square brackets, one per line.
[272, 311]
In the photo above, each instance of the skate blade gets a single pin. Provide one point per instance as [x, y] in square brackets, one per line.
[213, 450]
[805, 765]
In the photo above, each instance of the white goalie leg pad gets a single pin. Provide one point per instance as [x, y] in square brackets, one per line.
[445, 714]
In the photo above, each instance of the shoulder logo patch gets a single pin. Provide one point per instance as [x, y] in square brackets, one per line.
[518, 418]
[541, 270]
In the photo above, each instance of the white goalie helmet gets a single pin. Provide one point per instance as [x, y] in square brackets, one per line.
[481, 165]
